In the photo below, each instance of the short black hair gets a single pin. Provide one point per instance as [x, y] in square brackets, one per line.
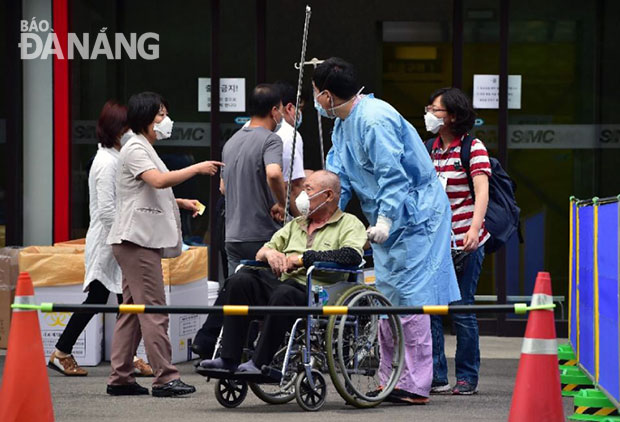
[263, 98]
[111, 124]
[288, 93]
[337, 76]
[142, 109]
[457, 103]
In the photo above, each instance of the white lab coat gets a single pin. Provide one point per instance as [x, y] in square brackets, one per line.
[99, 260]
[286, 133]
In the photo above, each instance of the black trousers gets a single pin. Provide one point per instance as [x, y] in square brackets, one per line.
[206, 337]
[97, 295]
[258, 288]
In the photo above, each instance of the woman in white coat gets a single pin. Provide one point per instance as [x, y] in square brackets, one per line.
[103, 275]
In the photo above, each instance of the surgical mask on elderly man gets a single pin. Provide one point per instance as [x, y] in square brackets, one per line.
[303, 203]
[432, 122]
[163, 129]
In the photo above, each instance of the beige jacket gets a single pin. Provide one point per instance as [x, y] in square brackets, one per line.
[146, 216]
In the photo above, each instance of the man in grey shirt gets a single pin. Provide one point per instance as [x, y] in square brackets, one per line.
[252, 180]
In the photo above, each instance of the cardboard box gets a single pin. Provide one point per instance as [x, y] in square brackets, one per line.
[87, 349]
[182, 328]
[57, 273]
[9, 271]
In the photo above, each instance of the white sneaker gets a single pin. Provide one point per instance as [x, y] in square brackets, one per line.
[441, 389]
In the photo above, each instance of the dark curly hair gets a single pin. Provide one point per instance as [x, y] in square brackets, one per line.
[458, 105]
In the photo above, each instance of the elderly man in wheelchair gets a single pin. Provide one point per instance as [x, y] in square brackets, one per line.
[329, 242]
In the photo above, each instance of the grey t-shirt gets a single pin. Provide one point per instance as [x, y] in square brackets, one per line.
[248, 197]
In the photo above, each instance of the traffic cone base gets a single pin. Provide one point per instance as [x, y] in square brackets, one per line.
[566, 355]
[537, 393]
[573, 380]
[592, 405]
[25, 392]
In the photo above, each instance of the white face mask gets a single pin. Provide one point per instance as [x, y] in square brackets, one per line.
[303, 203]
[432, 122]
[331, 112]
[163, 129]
[126, 136]
[278, 124]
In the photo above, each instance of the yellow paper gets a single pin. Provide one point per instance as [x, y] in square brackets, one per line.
[201, 208]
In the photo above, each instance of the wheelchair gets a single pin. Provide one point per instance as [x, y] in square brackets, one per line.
[344, 346]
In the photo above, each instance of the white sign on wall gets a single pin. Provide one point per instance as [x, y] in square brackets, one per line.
[486, 91]
[232, 94]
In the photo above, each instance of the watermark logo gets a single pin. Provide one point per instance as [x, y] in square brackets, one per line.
[39, 41]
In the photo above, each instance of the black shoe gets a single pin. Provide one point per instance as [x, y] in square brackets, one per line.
[220, 363]
[173, 388]
[134, 389]
[203, 352]
[405, 397]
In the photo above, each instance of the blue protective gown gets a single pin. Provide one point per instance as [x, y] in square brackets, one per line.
[379, 155]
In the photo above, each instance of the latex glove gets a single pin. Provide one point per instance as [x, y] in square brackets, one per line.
[380, 231]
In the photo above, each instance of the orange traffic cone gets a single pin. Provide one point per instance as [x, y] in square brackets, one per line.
[25, 392]
[537, 394]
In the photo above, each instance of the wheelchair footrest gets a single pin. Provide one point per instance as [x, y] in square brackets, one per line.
[253, 377]
[272, 373]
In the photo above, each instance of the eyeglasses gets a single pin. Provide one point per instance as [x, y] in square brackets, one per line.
[430, 109]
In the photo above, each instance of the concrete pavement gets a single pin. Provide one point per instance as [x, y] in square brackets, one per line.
[84, 399]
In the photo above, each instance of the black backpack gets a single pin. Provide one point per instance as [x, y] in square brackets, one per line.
[502, 217]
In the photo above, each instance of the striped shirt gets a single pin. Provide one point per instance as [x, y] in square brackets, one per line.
[448, 163]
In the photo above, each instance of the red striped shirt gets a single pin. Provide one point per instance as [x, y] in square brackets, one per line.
[448, 163]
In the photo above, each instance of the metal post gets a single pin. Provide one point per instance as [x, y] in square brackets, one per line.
[502, 132]
[13, 99]
[216, 153]
[457, 43]
[261, 41]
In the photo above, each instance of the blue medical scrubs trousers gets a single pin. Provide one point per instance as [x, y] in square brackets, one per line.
[467, 359]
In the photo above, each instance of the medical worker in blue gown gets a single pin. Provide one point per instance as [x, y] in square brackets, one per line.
[379, 156]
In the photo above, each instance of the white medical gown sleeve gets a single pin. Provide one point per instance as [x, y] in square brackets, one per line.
[333, 164]
[106, 196]
[385, 151]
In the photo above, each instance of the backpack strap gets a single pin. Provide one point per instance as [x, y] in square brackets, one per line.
[465, 158]
[429, 145]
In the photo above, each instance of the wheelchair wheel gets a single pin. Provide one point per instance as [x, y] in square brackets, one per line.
[308, 398]
[230, 393]
[284, 392]
[273, 393]
[353, 354]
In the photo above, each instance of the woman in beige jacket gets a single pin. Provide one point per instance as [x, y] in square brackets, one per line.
[146, 228]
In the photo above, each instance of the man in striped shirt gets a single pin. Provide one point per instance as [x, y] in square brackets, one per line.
[451, 116]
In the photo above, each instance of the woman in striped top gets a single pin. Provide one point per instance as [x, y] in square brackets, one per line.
[451, 116]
